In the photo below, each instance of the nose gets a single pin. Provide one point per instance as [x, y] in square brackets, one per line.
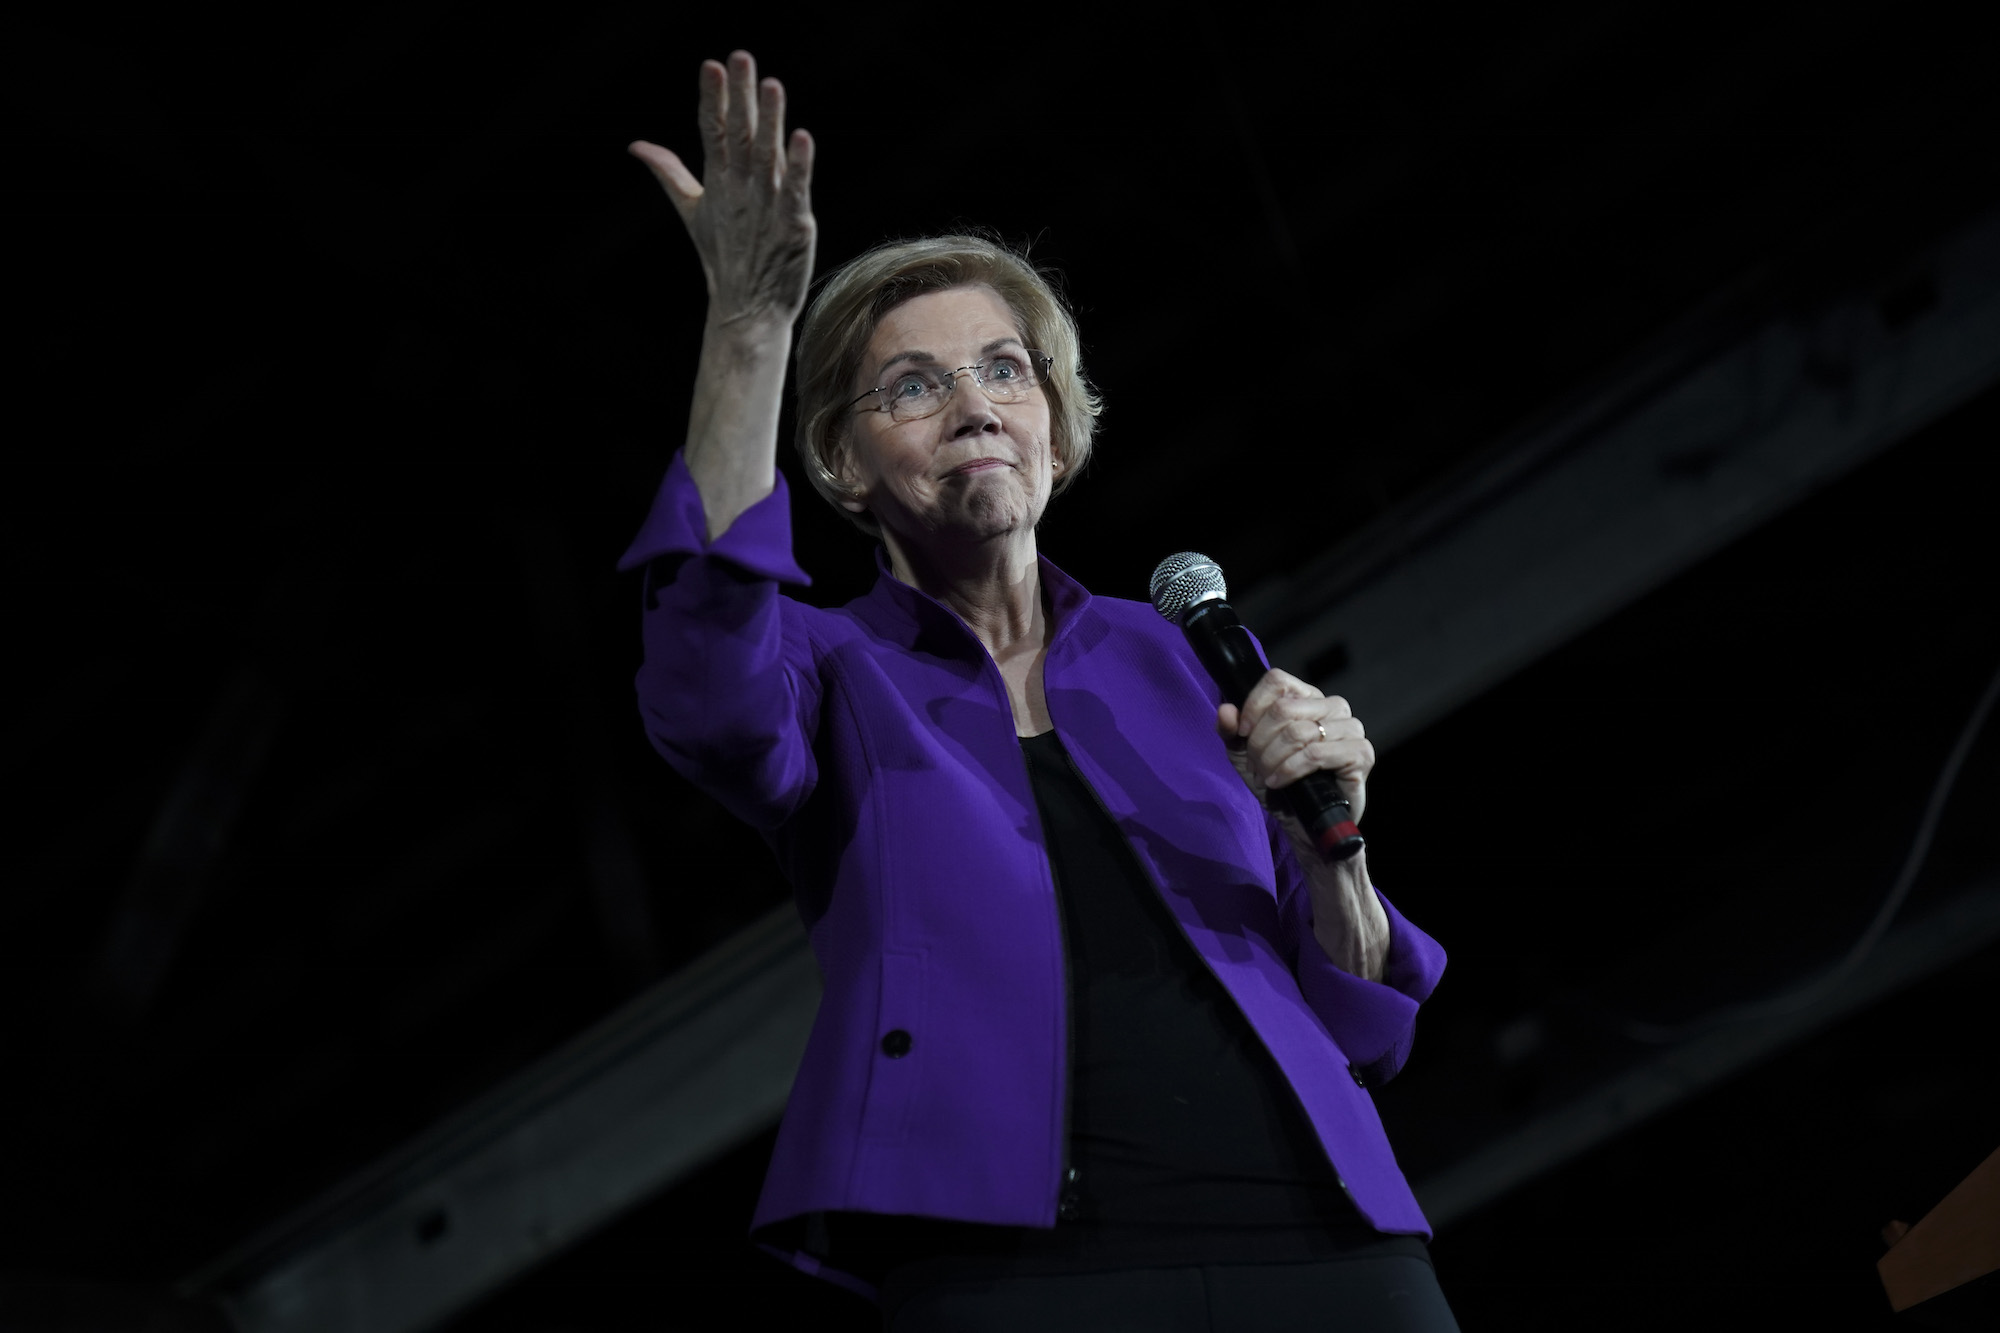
[969, 411]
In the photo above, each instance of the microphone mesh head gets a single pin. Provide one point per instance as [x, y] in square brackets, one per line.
[1184, 579]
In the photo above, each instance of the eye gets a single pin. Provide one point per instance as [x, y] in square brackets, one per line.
[1007, 366]
[909, 387]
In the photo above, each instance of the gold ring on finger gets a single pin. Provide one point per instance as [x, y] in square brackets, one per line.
[1322, 729]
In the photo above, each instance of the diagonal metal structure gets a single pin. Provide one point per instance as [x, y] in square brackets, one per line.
[695, 1066]
[1552, 532]
[1556, 530]
[1963, 926]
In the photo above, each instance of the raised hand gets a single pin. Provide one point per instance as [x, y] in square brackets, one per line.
[750, 216]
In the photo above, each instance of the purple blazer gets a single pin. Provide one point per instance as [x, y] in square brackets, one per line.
[874, 748]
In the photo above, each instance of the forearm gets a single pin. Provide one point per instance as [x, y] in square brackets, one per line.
[732, 442]
[1348, 920]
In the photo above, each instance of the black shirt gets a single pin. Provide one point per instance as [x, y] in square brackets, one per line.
[1186, 1142]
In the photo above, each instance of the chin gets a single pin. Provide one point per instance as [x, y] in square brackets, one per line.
[992, 514]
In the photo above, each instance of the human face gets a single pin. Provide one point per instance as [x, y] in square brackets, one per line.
[976, 470]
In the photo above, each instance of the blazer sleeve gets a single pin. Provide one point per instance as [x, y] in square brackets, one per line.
[1373, 1022]
[728, 687]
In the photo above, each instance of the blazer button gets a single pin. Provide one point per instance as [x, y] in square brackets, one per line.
[1069, 1204]
[1359, 1081]
[896, 1043]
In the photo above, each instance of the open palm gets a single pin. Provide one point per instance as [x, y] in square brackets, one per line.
[750, 216]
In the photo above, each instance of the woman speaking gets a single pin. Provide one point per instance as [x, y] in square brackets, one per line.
[1097, 1026]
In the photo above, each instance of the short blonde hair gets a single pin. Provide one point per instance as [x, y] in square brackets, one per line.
[853, 300]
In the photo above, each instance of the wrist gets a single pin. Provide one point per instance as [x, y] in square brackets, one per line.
[748, 335]
[1349, 877]
[1348, 919]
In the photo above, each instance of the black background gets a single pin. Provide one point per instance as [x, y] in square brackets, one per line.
[348, 353]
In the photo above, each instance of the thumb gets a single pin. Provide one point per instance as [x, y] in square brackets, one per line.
[671, 172]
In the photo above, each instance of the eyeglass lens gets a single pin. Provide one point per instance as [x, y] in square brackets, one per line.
[1005, 378]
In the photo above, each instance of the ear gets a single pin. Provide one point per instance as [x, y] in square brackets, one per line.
[840, 462]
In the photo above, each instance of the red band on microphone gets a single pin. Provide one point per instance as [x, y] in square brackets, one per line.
[1336, 834]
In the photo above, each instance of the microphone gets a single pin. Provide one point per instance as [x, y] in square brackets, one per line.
[1188, 589]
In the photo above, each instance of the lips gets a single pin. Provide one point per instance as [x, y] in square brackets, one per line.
[977, 465]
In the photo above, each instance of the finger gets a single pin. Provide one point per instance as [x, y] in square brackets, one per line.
[1278, 744]
[799, 170]
[1302, 721]
[712, 116]
[742, 125]
[1258, 702]
[1288, 720]
[770, 125]
[1291, 686]
[1348, 762]
[1225, 724]
[1281, 744]
[1274, 686]
[670, 171]
[1288, 767]
[1316, 731]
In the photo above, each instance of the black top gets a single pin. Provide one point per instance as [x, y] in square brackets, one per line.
[1186, 1144]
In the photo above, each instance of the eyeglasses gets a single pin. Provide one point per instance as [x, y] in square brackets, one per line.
[917, 393]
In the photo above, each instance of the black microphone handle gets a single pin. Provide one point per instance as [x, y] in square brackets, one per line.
[1225, 648]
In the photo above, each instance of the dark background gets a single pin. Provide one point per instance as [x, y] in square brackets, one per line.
[348, 354]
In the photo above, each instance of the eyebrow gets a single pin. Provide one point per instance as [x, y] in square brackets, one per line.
[994, 346]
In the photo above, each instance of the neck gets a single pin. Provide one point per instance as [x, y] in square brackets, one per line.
[995, 586]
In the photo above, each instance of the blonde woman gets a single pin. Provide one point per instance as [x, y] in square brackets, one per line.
[1097, 1026]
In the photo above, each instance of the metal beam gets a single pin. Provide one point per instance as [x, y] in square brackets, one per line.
[699, 1064]
[1561, 527]
[1906, 955]
[1551, 533]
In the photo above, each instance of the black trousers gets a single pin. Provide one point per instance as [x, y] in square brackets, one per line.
[1382, 1294]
